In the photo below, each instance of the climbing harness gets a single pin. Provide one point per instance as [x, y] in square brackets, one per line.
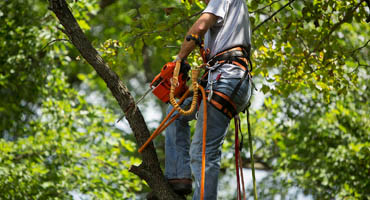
[238, 56]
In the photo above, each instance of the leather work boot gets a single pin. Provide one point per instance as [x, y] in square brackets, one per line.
[181, 186]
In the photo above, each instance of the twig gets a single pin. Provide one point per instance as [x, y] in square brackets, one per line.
[276, 12]
[168, 28]
[61, 29]
[335, 27]
[173, 25]
[352, 53]
[363, 46]
[56, 40]
[273, 2]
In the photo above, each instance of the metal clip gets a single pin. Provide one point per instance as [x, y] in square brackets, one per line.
[210, 92]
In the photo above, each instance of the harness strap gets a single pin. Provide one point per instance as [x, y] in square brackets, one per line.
[224, 55]
[237, 154]
[238, 160]
[223, 103]
[239, 57]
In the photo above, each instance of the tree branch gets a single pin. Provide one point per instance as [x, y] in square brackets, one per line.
[361, 47]
[276, 12]
[259, 9]
[150, 163]
[170, 27]
[51, 42]
[347, 17]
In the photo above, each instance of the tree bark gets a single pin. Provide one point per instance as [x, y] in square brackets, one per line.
[149, 169]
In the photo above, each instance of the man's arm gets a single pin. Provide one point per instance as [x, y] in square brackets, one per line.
[200, 27]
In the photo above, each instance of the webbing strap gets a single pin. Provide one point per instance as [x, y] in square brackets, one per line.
[223, 103]
[237, 154]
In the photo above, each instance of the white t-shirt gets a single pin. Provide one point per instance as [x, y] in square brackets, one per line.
[231, 29]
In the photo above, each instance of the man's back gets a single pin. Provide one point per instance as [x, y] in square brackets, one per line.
[231, 29]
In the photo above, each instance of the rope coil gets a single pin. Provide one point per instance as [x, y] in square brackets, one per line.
[195, 86]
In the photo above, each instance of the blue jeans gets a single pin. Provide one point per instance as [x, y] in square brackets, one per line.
[184, 159]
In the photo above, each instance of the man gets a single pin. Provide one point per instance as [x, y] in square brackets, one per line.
[224, 24]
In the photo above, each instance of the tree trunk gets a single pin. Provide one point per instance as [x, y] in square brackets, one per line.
[149, 170]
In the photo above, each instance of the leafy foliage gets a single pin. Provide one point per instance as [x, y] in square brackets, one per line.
[57, 130]
[54, 143]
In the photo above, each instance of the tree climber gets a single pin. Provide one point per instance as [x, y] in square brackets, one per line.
[226, 28]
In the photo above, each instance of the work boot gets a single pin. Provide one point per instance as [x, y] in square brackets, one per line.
[181, 186]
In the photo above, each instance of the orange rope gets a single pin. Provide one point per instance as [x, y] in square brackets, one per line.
[174, 84]
[164, 125]
[160, 127]
[204, 142]
[170, 122]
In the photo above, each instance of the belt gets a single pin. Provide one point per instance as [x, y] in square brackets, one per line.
[235, 55]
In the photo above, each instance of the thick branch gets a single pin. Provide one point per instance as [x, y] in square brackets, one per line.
[150, 163]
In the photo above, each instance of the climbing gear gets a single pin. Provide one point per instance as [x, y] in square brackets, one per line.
[238, 165]
[237, 56]
[223, 103]
[240, 57]
[176, 106]
[163, 124]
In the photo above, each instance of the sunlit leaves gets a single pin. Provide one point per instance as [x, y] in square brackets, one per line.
[291, 44]
[73, 148]
[54, 143]
[57, 142]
